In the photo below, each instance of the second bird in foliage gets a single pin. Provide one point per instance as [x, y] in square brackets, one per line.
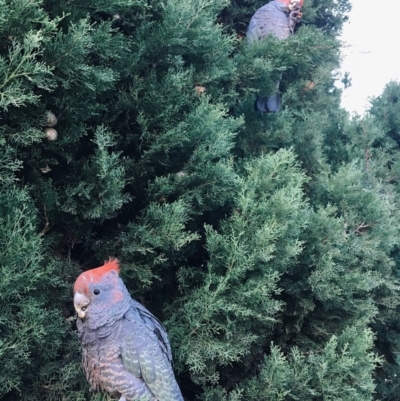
[278, 18]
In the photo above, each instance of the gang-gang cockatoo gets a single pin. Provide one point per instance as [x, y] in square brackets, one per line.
[125, 349]
[278, 18]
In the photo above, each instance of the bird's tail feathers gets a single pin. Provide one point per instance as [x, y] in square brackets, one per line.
[270, 104]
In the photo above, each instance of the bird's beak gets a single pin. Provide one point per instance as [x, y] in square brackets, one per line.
[81, 303]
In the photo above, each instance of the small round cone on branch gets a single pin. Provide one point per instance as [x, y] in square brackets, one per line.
[200, 89]
[180, 174]
[51, 134]
[51, 119]
[309, 86]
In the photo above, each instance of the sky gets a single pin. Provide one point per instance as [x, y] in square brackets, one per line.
[372, 50]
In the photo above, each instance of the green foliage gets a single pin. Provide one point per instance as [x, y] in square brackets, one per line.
[31, 326]
[8, 164]
[328, 16]
[341, 371]
[152, 242]
[232, 309]
[268, 244]
[99, 192]
[21, 71]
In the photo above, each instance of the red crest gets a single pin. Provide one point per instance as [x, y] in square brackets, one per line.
[95, 275]
[287, 2]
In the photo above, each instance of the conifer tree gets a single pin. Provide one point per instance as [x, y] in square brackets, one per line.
[383, 130]
[268, 244]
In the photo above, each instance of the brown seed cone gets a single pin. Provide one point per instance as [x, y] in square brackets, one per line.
[51, 134]
[51, 119]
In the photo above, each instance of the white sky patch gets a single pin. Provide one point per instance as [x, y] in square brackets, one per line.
[371, 53]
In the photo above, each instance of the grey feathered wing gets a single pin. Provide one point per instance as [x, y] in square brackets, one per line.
[146, 353]
[271, 19]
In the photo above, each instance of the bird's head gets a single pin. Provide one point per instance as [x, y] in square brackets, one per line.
[291, 4]
[99, 290]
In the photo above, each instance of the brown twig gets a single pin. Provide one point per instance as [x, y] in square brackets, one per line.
[47, 225]
[361, 227]
[367, 157]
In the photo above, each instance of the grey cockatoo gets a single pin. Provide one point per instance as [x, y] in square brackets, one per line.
[278, 18]
[125, 349]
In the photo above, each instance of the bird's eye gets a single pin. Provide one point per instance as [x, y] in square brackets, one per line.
[96, 292]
